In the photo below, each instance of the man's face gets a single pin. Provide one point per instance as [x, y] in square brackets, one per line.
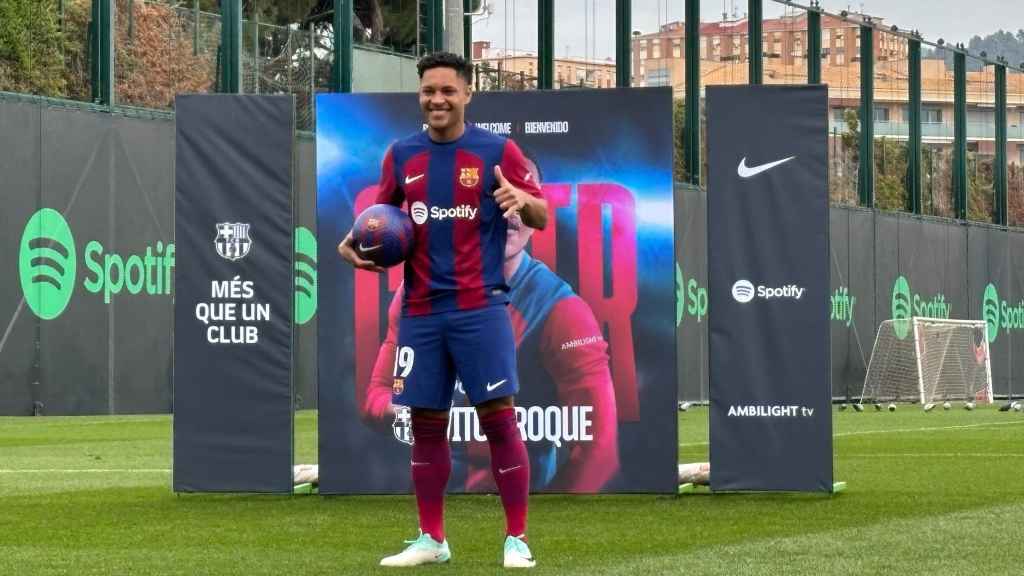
[443, 98]
[518, 235]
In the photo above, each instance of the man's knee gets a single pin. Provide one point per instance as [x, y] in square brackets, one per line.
[493, 405]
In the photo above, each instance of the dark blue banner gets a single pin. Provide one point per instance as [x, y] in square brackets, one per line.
[233, 294]
[592, 297]
[769, 292]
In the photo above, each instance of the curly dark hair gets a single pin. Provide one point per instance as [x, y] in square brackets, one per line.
[446, 60]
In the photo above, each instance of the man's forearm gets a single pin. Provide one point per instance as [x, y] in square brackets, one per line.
[535, 213]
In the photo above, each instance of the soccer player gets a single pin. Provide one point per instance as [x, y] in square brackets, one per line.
[462, 184]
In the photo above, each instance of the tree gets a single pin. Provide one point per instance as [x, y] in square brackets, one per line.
[31, 46]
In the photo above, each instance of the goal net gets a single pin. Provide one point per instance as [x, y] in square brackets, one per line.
[929, 360]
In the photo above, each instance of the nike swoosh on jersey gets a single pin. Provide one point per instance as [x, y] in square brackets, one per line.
[415, 463]
[496, 384]
[506, 470]
[745, 171]
[411, 179]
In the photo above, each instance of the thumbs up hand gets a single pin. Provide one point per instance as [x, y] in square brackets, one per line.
[509, 198]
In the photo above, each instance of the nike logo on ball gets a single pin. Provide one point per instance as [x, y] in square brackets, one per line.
[496, 384]
[365, 249]
[745, 171]
[411, 179]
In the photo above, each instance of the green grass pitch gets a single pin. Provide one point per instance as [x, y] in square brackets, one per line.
[936, 493]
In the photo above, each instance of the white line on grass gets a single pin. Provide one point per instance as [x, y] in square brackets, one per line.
[88, 470]
[896, 430]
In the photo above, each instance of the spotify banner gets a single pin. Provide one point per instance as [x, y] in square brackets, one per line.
[768, 283]
[233, 307]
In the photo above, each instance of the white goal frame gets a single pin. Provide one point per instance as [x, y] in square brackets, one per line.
[922, 386]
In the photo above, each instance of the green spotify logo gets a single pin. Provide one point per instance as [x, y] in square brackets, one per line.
[906, 305]
[901, 307]
[691, 298]
[47, 263]
[305, 275]
[1000, 314]
[990, 311]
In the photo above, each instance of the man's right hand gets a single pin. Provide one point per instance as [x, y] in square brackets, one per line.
[349, 254]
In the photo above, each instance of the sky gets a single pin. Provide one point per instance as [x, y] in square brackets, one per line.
[586, 28]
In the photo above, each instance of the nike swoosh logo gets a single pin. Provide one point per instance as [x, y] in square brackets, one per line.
[506, 470]
[749, 172]
[415, 463]
[365, 249]
[496, 384]
[411, 179]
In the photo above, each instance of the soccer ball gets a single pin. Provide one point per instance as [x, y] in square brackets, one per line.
[969, 406]
[946, 405]
[1017, 406]
[383, 234]
[928, 407]
[858, 407]
[892, 407]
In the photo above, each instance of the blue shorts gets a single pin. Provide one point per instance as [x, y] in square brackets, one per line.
[476, 346]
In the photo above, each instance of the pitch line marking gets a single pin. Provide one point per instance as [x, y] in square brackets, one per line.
[896, 430]
[86, 470]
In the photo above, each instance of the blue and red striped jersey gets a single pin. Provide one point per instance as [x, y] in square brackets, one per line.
[459, 232]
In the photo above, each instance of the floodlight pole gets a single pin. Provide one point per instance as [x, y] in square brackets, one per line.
[545, 43]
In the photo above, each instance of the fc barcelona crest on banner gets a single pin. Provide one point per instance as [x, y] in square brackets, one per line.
[402, 426]
[469, 177]
[233, 241]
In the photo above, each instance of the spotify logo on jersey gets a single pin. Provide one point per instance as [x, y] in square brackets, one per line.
[305, 275]
[47, 263]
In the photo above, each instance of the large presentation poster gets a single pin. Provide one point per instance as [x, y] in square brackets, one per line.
[233, 294]
[768, 282]
[592, 297]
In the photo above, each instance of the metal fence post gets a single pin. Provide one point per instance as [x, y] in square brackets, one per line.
[960, 134]
[623, 52]
[341, 71]
[691, 131]
[866, 182]
[755, 46]
[914, 141]
[1001, 207]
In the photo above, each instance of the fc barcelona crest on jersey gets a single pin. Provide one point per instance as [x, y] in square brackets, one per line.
[469, 177]
[233, 241]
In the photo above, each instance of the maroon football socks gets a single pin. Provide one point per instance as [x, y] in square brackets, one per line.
[431, 465]
[510, 465]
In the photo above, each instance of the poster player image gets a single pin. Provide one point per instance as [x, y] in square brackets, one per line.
[552, 324]
[462, 184]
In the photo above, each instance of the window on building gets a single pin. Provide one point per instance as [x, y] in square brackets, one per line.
[643, 49]
[677, 48]
[704, 50]
[656, 48]
[1022, 153]
[826, 38]
[839, 115]
[658, 77]
[840, 59]
[930, 115]
[881, 114]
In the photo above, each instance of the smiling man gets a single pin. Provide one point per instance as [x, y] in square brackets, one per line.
[462, 184]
